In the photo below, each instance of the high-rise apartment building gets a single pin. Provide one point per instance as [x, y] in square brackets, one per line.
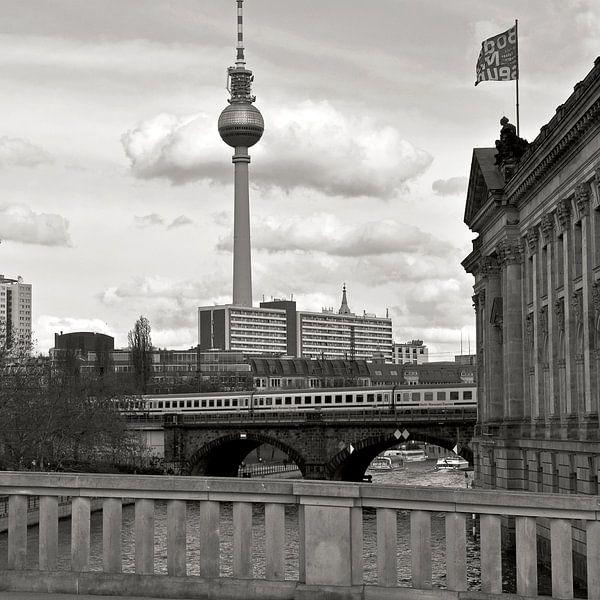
[277, 328]
[15, 313]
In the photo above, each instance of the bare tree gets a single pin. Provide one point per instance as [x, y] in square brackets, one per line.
[140, 346]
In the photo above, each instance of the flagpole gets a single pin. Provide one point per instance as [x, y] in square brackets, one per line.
[517, 80]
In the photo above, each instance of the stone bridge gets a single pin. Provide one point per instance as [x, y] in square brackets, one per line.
[324, 445]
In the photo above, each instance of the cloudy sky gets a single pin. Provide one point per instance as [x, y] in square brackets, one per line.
[116, 191]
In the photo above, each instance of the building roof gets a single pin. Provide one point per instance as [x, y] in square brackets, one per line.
[267, 366]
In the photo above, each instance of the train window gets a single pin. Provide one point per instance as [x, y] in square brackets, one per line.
[453, 395]
[196, 403]
[268, 401]
[188, 404]
[379, 398]
[416, 396]
[203, 403]
[327, 399]
[211, 403]
[338, 399]
[467, 395]
[168, 404]
[317, 399]
[234, 401]
[441, 396]
[288, 400]
[278, 401]
[370, 397]
[348, 398]
[386, 397]
[405, 396]
[297, 400]
[261, 401]
[160, 404]
[428, 396]
[360, 398]
[307, 399]
[226, 402]
[219, 403]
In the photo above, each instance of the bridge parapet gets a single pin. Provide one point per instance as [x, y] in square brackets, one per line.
[329, 531]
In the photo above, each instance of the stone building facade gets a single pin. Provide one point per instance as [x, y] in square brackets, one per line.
[536, 263]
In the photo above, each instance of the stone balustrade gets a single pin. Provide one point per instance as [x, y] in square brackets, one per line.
[329, 529]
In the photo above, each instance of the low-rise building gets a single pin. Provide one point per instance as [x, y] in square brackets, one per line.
[413, 352]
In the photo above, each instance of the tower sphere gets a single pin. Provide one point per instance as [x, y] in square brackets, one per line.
[241, 124]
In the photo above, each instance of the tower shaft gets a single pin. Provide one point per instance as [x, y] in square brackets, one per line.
[242, 262]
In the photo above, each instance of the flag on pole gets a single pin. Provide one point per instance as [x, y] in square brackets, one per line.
[499, 57]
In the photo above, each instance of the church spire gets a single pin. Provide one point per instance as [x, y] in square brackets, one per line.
[344, 309]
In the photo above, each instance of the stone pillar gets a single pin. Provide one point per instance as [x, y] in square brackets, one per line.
[563, 216]
[547, 229]
[582, 202]
[512, 339]
[492, 340]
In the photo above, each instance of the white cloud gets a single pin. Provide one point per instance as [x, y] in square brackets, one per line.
[325, 233]
[311, 145]
[18, 223]
[148, 220]
[180, 221]
[21, 153]
[450, 187]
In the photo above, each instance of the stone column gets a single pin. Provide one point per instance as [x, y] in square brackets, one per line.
[563, 216]
[512, 347]
[582, 202]
[492, 340]
[547, 229]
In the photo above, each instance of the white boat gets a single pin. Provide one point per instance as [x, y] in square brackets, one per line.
[452, 463]
[394, 455]
[413, 455]
[381, 463]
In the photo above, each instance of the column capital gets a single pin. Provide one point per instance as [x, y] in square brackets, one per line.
[547, 227]
[510, 251]
[563, 214]
[489, 266]
[532, 236]
[582, 200]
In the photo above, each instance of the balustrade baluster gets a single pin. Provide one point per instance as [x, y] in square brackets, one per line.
[242, 540]
[387, 545]
[48, 533]
[491, 555]
[80, 534]
[456, 551]
[144, 536]
[420, 549]
[593, 559]
[275, 541]
[210, 536]
[561, 550]
[176, 537]
[526, 556]
[17, 532]
[112, 523]
[356, 540]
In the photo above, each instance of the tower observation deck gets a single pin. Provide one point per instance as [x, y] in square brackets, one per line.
[240, 126]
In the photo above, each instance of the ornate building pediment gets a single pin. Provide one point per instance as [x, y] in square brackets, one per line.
[485, 181]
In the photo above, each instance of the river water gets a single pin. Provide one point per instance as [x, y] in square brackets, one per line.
[418, 473]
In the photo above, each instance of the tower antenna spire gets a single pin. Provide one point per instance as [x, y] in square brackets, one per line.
[240, 126]
[240, 61]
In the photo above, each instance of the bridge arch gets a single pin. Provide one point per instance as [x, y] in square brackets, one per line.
[222, 456]
[351, 465]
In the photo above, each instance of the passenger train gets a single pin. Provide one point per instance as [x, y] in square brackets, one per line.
[408, 398]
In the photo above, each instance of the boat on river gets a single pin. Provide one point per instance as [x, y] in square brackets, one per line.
[452, 463]
[381, 463]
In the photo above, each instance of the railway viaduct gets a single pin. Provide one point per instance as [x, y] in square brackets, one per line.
[336, 445]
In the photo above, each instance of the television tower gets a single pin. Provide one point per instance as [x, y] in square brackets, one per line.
[240, 126]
